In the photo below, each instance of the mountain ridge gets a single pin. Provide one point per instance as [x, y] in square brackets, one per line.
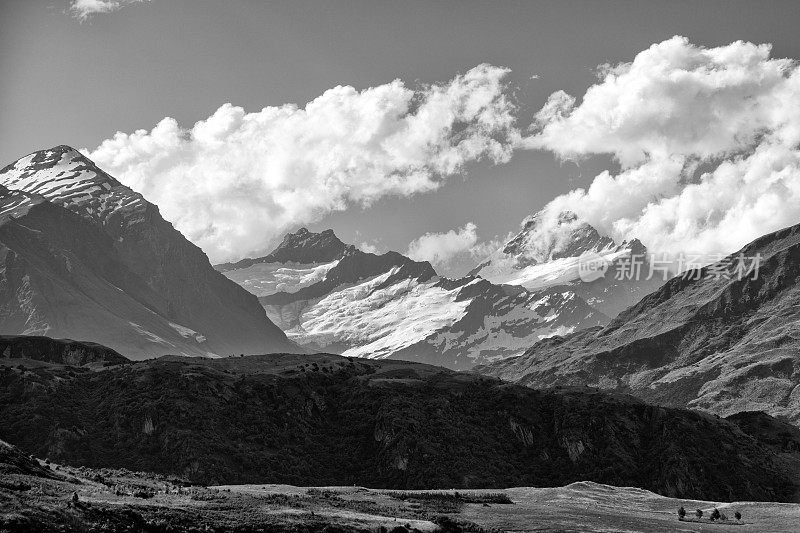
[706, 339]
[86, 257]
[388, 305]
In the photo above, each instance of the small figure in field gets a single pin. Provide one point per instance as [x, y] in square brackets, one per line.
[681, 513]
[699, 513]
[737, 515]
[715, 514]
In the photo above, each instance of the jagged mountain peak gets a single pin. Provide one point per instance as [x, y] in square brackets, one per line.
[68, 178]
[545, 236]
[303, 247]
[83, 256]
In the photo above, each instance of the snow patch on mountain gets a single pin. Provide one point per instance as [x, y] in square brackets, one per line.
[262, 279]
[561, 271]
[188, 333]
[379, 321]
[64, 176]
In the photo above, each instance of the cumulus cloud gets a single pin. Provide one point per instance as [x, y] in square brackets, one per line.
[441, 248]
[454, 252]
[84, 9]
[234, 181]
[706, 140]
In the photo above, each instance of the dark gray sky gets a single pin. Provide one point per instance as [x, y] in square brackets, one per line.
[63, 82]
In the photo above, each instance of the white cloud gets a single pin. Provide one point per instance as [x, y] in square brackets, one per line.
[236, 180]
[455, 252]
[84, 9]
[369, 247]
[707, 141]
[441, 248]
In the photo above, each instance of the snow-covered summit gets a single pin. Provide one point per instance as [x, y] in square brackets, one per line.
[549, 251]
[66, 177]
[84, 257]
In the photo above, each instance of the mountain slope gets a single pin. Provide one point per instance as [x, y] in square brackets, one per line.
[333, 297]
[708, 340]
[551, 253]
[327, 420]
[84, 257]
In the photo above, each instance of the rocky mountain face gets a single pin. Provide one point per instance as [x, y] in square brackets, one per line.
[329, 420]
[723, 339]
[84, 257]
[331, 297]
[554, 253]
[59, 351]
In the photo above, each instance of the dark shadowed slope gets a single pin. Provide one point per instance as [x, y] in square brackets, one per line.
[714, 342]
[85, 257]
[59, 351]
[329, 420]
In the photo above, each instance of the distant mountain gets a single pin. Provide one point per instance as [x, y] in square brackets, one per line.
[550, 254]
[332, 297]
[712, 339]
[303, 247]
[82, 256]
[327, 420]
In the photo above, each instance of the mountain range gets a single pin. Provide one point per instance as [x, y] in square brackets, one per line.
[712, 339]
[333, 297]
[87, 258]
[337, 298]
[82, 256]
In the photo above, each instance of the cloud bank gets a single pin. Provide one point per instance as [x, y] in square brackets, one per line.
[235, 181]
[706, 139]
[83, 10]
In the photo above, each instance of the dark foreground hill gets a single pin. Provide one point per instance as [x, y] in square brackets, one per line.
[723, 339]
[60, 351]
[329, 420]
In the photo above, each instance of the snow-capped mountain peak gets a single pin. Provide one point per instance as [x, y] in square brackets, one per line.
[550, 251]
[66, 177]
[85, 257]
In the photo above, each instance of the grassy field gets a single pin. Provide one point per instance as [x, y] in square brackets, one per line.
[36, 496]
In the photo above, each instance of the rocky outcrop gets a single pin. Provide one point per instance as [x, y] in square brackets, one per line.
[302, 247]
[59, 351]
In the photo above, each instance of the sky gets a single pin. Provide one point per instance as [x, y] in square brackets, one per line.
[420, 149]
